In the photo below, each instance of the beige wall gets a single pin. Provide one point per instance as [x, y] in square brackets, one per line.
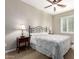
[57, 27]
[18, 13]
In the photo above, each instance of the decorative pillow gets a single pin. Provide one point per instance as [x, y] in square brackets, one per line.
[44, 33]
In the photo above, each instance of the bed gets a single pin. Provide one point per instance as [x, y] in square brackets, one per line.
[55, 46]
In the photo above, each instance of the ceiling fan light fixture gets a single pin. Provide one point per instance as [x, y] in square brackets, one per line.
[55, 5]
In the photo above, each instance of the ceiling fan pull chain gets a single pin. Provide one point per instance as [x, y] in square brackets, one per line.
[54, 9]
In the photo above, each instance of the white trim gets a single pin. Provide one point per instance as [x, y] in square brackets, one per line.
[10, 50]
[68, 32]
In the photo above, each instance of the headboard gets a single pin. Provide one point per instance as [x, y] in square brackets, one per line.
[37, 29]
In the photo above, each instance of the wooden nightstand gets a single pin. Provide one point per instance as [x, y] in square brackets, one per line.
[22, 43]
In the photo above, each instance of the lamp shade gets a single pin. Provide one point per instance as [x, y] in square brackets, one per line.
[22, 27]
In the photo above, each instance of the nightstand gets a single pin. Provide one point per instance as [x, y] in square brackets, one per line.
[22, 43]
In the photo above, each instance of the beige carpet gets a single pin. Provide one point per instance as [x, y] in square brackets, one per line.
[32, 54]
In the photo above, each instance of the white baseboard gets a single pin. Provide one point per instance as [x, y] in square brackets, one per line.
[10, 50]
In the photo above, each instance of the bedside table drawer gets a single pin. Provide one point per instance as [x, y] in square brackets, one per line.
[22, 40]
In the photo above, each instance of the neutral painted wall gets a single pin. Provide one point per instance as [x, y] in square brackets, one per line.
[57, 26]
[18, 13]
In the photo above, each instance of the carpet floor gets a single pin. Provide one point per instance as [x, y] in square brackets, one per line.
[33, 54]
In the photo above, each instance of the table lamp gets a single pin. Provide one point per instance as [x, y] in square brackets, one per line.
[22, 28]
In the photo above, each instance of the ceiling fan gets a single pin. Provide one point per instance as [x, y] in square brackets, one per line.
[55, 2]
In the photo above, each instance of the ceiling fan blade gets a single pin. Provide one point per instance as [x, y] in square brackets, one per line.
[59, 1]
[61, 5]
[48, 6]
[50, 1]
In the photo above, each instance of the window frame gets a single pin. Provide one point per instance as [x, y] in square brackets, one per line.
[61, 24]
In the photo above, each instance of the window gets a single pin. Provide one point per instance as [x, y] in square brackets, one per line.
[67, 24]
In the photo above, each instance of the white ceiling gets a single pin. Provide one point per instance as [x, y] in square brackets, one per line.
[40, 4]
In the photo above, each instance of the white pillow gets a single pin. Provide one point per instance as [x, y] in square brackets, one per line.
[43, 33]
